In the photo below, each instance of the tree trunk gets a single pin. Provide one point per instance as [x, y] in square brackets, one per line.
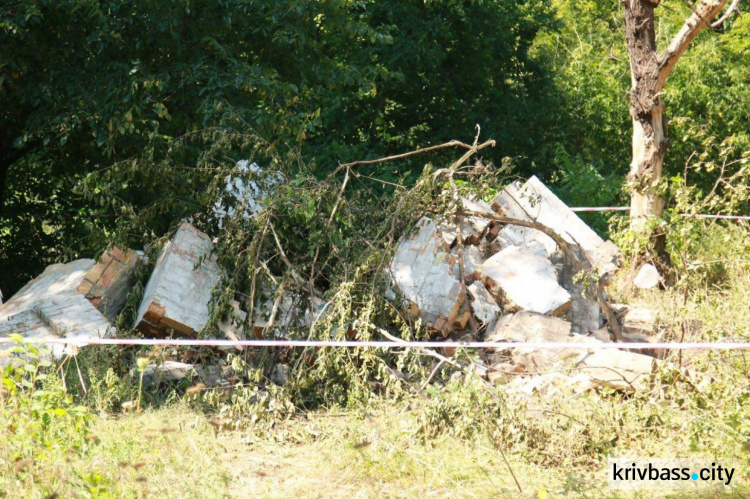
[649, 146]
[646, 109]
[649, 71]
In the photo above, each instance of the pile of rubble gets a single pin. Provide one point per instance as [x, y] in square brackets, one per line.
[487, 278]
[517, 285]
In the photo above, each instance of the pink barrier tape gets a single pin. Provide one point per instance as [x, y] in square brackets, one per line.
[724, 217]
[687, 215]
[603, 208]
[382, 344]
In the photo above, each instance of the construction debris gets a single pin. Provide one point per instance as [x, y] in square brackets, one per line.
[473, 229]
[612, 368]
[178, 292]
[510, 282]
[422, 271]
[534, 201]
[635, 320]
[246, 189]
[483, 304]
[108, 283]
[167, 371]
[520, 272]
[647, 277]
[49, 307]
[523, 279]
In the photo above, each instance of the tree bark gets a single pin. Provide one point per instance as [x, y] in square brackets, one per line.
[649, 72]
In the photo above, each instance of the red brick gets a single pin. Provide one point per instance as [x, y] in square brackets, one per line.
[154, 313]
[96, 272]
[84, 287]
[117, 254]
[110, 275]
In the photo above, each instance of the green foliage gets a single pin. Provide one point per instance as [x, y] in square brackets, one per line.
[327, 81]
[38, 418]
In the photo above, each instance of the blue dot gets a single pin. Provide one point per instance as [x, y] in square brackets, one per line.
[695, 476]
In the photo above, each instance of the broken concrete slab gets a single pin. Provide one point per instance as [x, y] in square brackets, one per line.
[617, 369]
[164, 372]
[292, 311]
[483, 304]
[636, 320]
[613, 368]
[246, 190]
[233, 325]
[108, 283]
[60, 279]
[68, 316]
[474, 256]
[534, 201]
[512, 235]
[421, 270]
[523, 279]
[50, 307]
[473, 229]
[585, 310]
[178, 292]
[529, 327]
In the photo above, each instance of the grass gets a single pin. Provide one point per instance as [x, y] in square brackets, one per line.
[175, 452]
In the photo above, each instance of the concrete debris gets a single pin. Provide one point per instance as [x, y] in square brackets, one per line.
[507, 268]
[636, 320]
[474, 256]
[49, 307]
[233, 325]
[612, 368]
[585, 310]
[521, 278]
[69, 316]
[647, 277]
[61, 279]
[168, 371]
[246, 190]
[472, 228]
[529, 327]
[534, 201]
[109, 281]
[178, 292]
[291, 311]
[513, 235]
[422, 272]
[483, 304]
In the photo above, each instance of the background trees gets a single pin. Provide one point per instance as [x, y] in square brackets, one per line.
[135, 91]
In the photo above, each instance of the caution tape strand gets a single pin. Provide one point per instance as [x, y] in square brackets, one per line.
[382, 344]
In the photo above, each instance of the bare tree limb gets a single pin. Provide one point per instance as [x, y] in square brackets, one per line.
[452, 143]
[699, 19]
[734, 7]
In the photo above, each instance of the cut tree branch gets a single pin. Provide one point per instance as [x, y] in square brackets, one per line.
[452, 143]
[735, 7]
[699, 19]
